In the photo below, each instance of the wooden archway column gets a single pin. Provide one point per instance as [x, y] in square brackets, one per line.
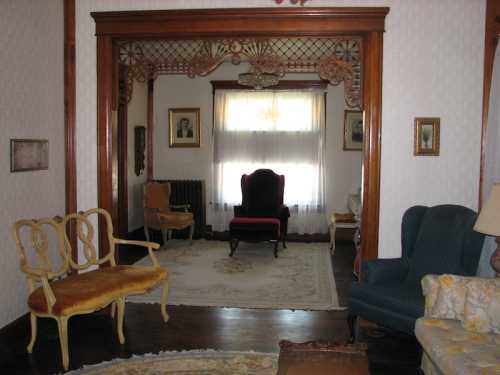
[492, 34]
[367, 23]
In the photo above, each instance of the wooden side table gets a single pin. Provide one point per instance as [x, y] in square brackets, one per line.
[320, 358]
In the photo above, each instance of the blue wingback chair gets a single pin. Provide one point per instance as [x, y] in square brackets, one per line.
[435, 240]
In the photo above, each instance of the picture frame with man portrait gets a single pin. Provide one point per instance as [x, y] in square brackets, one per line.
[353, 130]
[184, 127]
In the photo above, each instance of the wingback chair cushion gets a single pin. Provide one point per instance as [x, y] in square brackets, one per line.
[435, 240]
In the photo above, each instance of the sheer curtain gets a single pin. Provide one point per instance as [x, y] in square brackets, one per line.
[280, 130]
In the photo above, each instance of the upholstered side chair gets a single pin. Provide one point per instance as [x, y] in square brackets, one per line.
[159, 214]
[56, 288]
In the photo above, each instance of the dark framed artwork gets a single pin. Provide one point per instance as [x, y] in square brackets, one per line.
[184, 127]
[139, 148]
[29, 155]
[353, 130]
[426, 136]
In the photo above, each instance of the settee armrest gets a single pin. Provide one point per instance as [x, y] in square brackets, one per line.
[381, 271]
[149, 245]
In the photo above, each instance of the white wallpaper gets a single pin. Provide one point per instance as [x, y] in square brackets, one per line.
[433, 64]
[31, 106]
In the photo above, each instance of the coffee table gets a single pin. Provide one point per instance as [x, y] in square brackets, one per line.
[322, 358]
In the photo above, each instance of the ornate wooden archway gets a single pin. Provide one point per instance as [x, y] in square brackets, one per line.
[365, 23]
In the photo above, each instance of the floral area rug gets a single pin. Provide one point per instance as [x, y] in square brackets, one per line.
[203, 274]
[207, 362]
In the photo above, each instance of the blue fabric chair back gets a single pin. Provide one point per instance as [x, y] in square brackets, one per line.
[440, 239]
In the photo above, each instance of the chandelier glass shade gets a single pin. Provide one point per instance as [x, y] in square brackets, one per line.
[258, 80]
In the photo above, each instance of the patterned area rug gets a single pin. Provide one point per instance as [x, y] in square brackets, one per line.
[188, 363]
[204, 275]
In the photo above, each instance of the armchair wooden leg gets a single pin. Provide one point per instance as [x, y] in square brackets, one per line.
[163, 303]
[120, 304]
[164, 235]
[191, 232]
[352, 323]
[33, 332]
[276, 243]
[233, 244]
[113, 310]
[62, 326]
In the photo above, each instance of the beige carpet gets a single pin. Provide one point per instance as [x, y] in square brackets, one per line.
[207, 362]
[204, 275]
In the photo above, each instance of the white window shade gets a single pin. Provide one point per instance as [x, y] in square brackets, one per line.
[280, 130]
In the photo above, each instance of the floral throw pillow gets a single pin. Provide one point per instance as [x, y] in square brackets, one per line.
[430, 289]
[482, 306]
[450, 300]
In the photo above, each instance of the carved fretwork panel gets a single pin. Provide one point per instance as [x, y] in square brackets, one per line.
[334, 59]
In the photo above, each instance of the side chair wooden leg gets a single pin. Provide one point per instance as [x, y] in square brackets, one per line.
[191, 232]
[113, 309]
[146, 232]
[164, 235]
[33, 319]
[62, 326]
[276, 243]
[120, 304]
[163, 302]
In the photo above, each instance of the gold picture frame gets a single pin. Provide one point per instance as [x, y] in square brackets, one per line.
[427, 136]
[353, 130]
[184, 127]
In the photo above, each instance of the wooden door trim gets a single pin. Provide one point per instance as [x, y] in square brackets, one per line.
[492, 33]
[149, 130]
[70, 119]
[365, 22]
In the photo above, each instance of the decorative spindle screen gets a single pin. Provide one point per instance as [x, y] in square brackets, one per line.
[335, 59]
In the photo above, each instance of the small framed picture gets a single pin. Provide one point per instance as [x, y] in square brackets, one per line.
[353, 130]
[184, 127]
[29, 155]
[426, 141]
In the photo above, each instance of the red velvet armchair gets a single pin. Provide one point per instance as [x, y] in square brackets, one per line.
[262, 216]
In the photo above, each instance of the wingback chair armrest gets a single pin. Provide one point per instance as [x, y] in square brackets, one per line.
[239, 210]
[381, 271]
[185, 207]
[284, 212]
[149, 245]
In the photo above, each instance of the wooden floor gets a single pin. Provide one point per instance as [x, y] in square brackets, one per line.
[93, 338]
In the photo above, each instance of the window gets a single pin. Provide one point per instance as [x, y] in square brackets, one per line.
[279, 130]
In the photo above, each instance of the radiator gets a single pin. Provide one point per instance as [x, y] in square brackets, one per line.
[190, 192]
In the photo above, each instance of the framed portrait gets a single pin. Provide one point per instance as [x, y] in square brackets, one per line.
[29, 155]
[184, 127]
[426, 142]
[353, 130]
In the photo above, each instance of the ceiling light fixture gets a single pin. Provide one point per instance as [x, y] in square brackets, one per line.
[258, 80]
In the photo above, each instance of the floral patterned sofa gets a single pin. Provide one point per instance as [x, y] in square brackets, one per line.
[460, 332]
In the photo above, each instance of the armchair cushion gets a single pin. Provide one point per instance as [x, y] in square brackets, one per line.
[379, 271]
[91, 290]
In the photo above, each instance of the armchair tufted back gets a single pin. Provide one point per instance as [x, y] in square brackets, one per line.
[440, 239]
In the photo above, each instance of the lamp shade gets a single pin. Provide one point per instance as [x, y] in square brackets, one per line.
[488, 221]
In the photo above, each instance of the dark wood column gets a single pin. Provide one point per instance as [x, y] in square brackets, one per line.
[150, 130]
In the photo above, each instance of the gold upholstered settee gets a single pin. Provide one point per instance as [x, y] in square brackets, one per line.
[59, 289]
